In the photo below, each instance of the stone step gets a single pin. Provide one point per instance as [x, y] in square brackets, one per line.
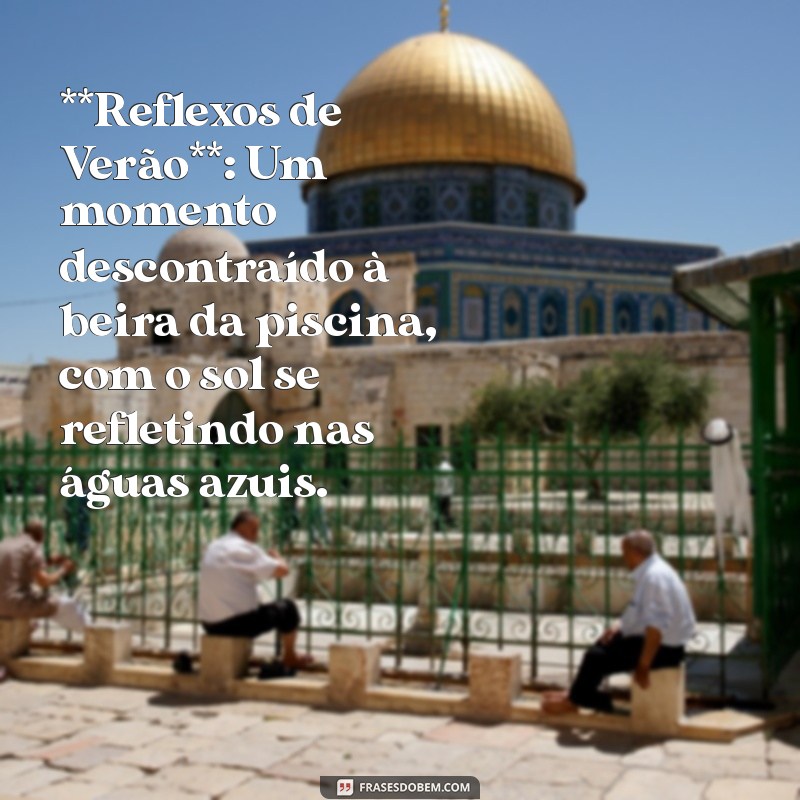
[58, 669]
[415, 701]
[308, 691]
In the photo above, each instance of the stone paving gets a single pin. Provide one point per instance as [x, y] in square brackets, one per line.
[60, 743]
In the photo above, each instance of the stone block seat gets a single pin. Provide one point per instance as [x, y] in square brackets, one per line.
[353, 669]
[223, 659]
[659, 709]
[494, 685]
[105, 647]
[15, 639]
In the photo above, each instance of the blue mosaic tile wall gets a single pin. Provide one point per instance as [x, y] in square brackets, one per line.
[512, 196]
[478, 281]
[477, 308]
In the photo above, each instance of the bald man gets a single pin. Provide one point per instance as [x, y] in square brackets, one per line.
[653, 632]
[228, 603]
[25, 583]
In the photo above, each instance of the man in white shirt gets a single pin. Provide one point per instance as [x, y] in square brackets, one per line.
[653, 632]
[228, 603]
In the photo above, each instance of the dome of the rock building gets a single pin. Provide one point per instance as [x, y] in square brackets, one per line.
[189, 244]
[448, 98]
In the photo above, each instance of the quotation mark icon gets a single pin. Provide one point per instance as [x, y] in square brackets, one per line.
[344, 787]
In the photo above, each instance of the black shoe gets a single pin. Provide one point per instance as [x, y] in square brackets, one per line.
[275, 669]
[182, 663]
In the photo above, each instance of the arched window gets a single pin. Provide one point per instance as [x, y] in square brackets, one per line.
[473, 313]
[552, 314]
[626, 314]
[662, 317]
[590, 314]
[512, 321]
[344, 305]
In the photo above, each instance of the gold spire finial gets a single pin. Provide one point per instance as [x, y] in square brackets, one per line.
[444, 16]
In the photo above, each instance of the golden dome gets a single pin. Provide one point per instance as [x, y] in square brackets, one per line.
[444, 98]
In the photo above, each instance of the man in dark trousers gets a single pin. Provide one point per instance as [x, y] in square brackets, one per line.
[228, 603]
[653, 632]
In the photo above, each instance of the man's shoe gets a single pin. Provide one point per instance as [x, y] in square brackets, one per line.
[275, 669]
[182, 663]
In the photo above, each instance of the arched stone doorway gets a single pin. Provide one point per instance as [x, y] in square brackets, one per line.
[230, 409]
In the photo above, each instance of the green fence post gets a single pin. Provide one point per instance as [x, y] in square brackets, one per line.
[570, 512]
[401, 525]
[605, 445]
[643, 477]
[468, 444]
[501, 537]
[762, 378]
[535, 529]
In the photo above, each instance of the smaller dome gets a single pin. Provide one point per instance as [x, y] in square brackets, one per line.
[190, 244]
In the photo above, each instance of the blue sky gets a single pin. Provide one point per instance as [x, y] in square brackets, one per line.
[685, 117]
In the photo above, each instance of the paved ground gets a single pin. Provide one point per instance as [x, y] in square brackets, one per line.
[60, 743]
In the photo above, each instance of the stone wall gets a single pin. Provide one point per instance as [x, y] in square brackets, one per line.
[13, 380]
[425, 385]
[396, 389]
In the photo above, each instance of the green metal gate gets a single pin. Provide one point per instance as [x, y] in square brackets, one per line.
[775, 365]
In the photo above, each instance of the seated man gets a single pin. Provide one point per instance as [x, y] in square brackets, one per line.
[228, 604]
[25, 584]
[653, 632]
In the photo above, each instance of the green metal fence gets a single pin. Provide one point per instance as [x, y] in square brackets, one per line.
[530, 560]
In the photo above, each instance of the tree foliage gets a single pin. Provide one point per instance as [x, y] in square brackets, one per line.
[636, 395]
[629, 396]
[518, 412]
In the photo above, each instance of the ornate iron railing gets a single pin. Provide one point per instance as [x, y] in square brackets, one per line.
[530, 560]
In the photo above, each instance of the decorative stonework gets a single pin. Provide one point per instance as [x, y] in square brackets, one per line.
[509, 196]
